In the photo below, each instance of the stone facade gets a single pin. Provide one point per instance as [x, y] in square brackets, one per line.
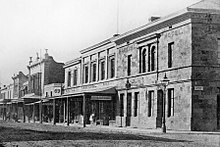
[184, 46]
[43, 72]
[18, 81]
[205, 71]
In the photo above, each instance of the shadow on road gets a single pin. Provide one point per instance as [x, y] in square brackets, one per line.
[17, 134]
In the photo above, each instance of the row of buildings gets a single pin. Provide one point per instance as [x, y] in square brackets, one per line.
[118, 82]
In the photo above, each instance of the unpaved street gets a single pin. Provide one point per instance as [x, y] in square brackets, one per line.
[29, 135]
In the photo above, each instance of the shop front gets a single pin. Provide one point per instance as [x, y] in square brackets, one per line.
[91, 107]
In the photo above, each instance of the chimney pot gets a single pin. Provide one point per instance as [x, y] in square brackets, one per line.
[153, 18]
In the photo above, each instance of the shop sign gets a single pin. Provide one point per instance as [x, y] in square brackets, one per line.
[101, 98]
[57, 90]
[198, 88]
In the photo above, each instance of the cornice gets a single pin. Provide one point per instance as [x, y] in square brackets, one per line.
[72, 62]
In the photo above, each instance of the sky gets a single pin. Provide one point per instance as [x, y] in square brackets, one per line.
[65, 27]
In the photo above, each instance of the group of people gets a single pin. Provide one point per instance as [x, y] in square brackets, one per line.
[9, 116]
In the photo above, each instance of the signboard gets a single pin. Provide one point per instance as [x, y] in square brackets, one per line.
[101, 98]
[198, 88]
[57, 90]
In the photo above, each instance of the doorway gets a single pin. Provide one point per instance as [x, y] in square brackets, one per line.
[218, 111]
[159, 108]
[128, 117]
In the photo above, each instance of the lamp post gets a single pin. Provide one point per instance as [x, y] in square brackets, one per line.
[164, 83]
[127, 86]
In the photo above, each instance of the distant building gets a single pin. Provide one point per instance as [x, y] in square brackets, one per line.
[18, 81]
[5, 101]
[42, 72]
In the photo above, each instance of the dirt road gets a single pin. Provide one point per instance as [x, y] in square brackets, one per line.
[31, 135]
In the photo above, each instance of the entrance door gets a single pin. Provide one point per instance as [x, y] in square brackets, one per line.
[128, 118]
[218, 111]
[159, 108]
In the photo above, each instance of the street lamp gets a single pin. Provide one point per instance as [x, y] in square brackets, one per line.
[164, 83]
[127, 86]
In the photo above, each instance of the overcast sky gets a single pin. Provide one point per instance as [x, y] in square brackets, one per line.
[67, 26]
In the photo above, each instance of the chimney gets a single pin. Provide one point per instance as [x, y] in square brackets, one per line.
[37, 57]
[46, 54]
[115, 35]
[30, 61]
[153, 18]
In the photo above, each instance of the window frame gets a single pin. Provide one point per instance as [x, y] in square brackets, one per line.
[75, 75]
[121, 105]
[144, 56]
[170, 102]
[136, 100]
[93, 71]
[69, 78]
[111, 68]
[150, 102]
[86, 73]
[170, 55]
[102, 69]
[129, 64]
[153, 58]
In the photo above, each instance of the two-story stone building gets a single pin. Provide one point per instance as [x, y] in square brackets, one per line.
[118, 81]
[42, 71]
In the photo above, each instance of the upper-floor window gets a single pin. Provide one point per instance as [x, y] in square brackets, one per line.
[170, 54]
[112, 67]
[69, 79]
[93, 76]
[86, 74]
[75, 77]
[102, 69]
[129, 65]
[153, 57]
[144, 55]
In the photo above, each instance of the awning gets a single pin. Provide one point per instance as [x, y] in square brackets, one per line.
[94, 91]
[39, 101]
[30, 98]
[4, 101]
[108, 91]
[101, 98]
[14, 100]
[31, 95]
[105, 93]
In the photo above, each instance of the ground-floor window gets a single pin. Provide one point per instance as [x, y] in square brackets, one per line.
[136, 97]
[170, 97]
[121, 104]
[150, 99]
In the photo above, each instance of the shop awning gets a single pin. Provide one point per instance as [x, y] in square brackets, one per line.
[97, 91]
[4, 101]
[105, 93]
[30, 98]
[39, 101]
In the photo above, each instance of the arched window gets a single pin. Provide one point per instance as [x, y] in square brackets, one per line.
[153, 58]
[144, 60]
